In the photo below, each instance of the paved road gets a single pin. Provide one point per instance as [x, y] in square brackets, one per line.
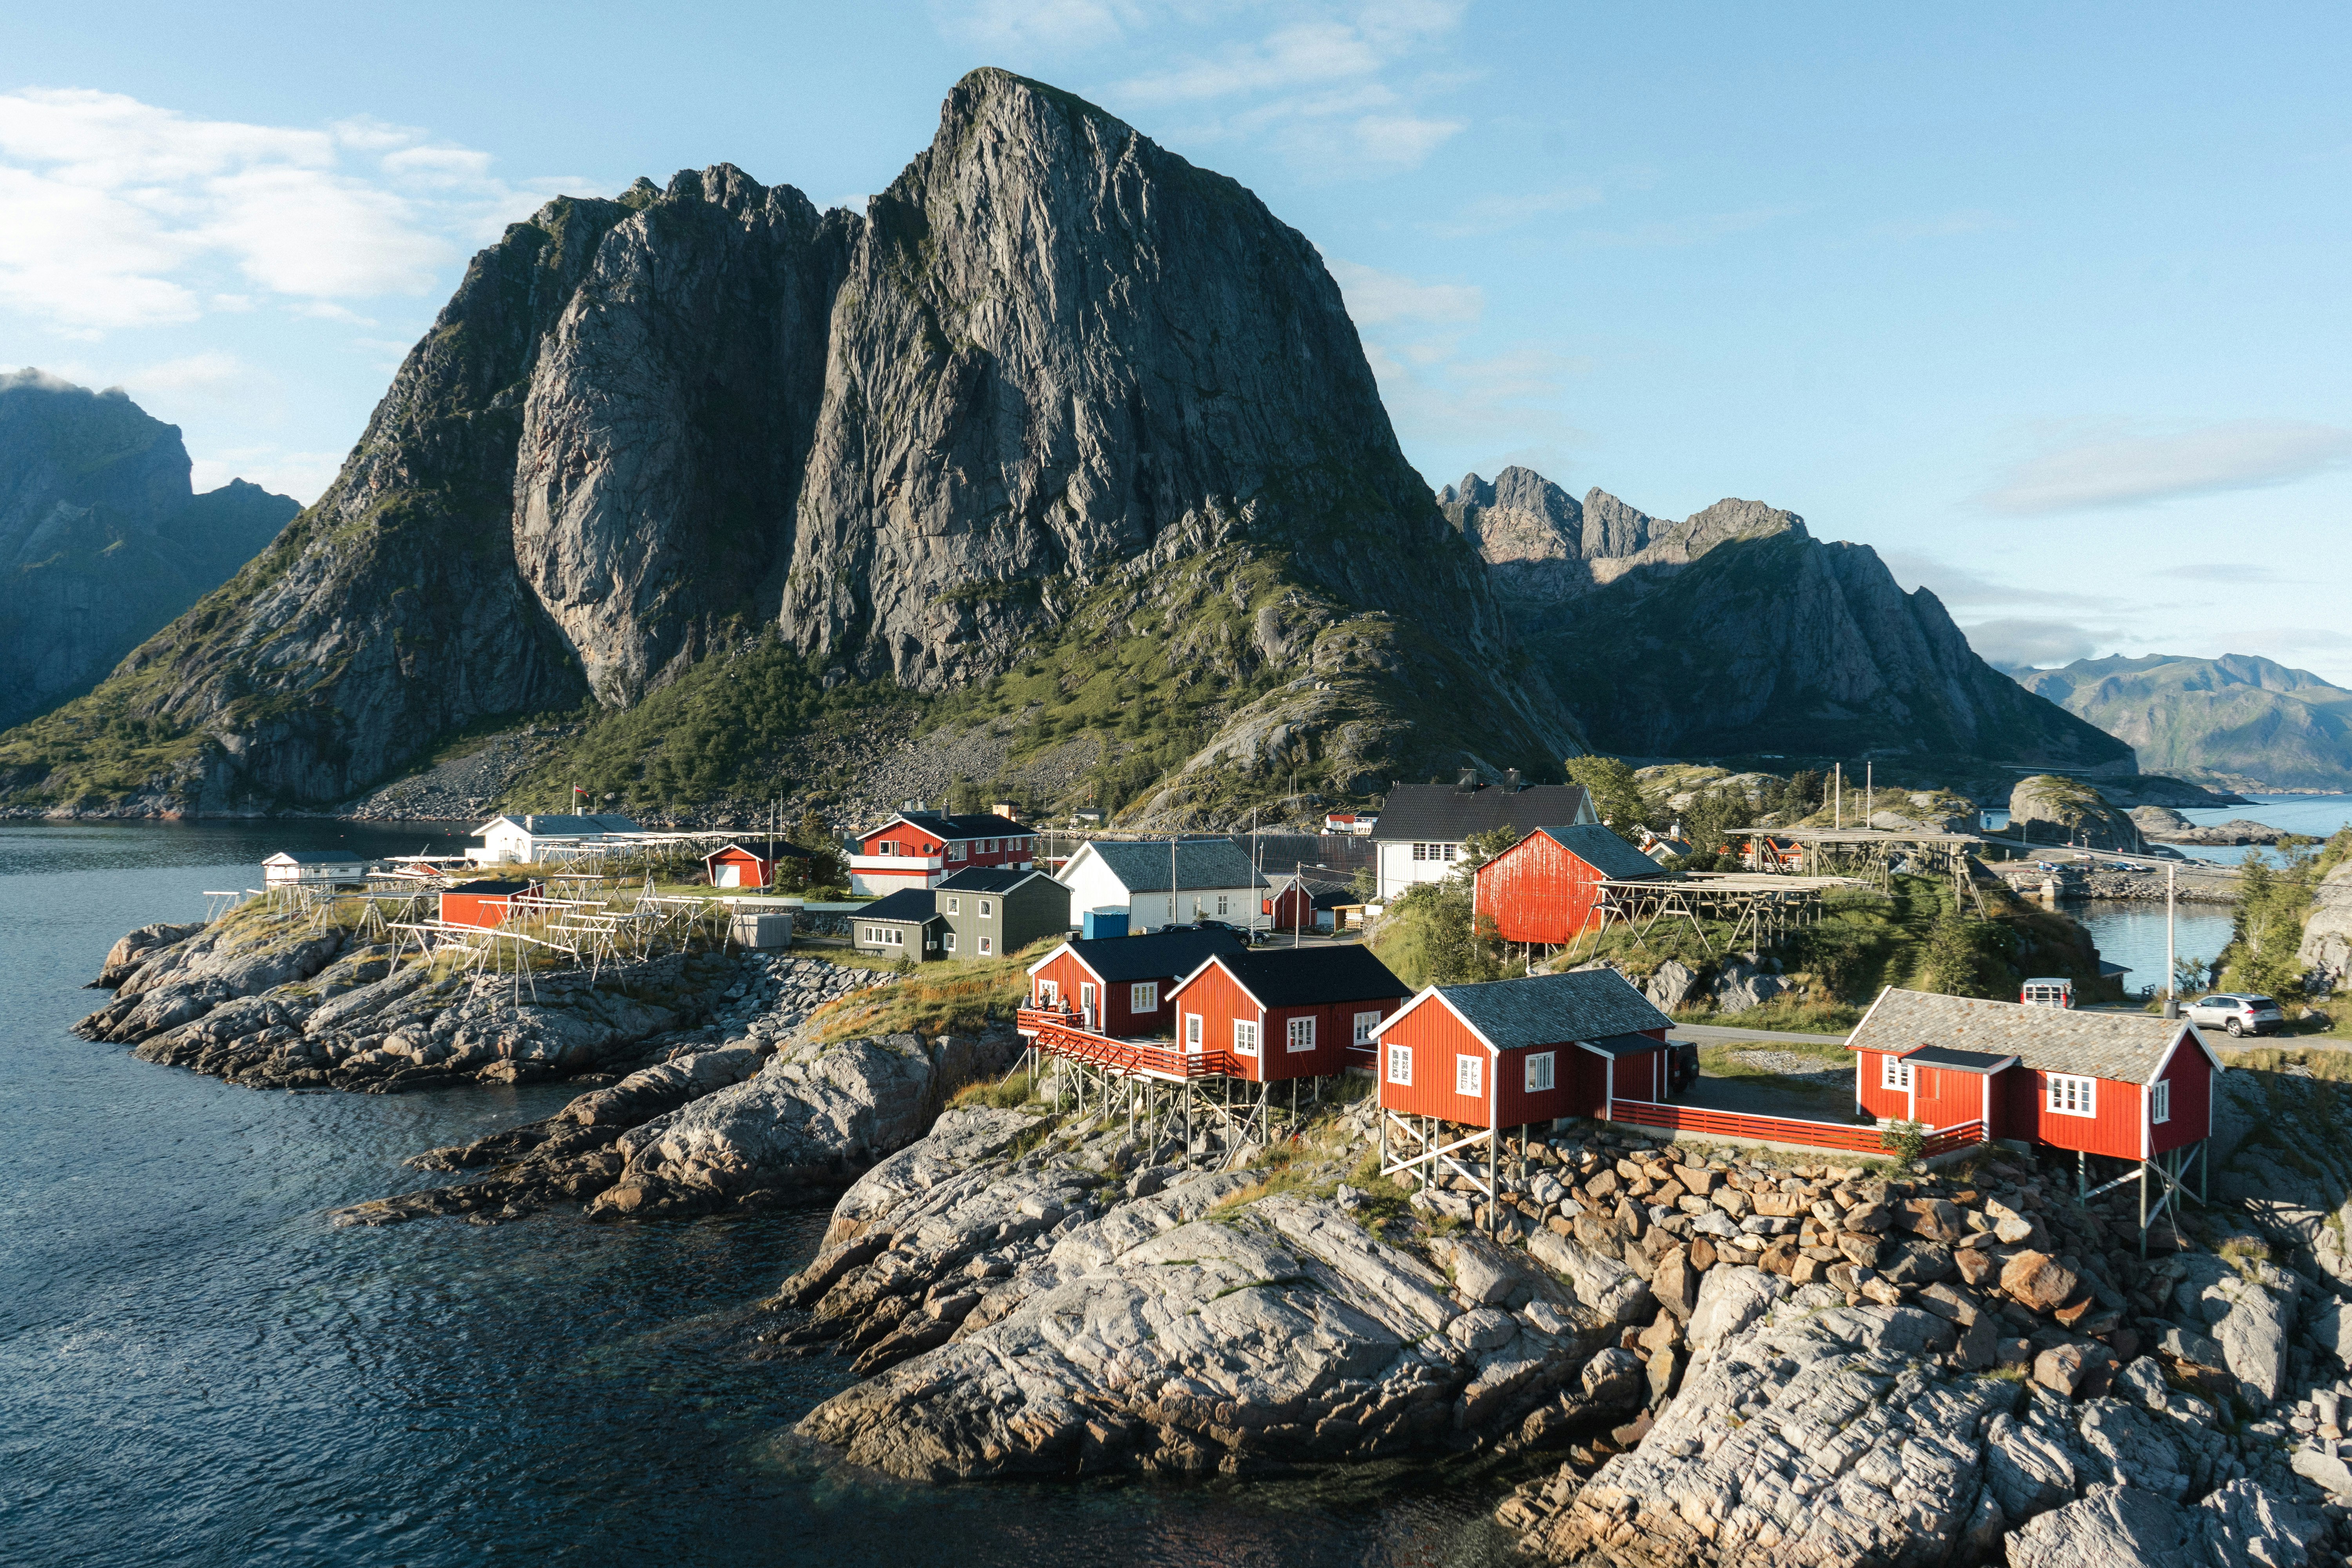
[1716, 1034]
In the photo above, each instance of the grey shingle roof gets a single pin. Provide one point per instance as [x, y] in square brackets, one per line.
[908, 906]
[2124, 1046]
[1142, 867]
[1601, 848]
[1442, 814]
[986, 880]
[1551, 1009]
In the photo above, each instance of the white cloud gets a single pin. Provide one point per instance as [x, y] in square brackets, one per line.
[122, 213]
[1021, 25]
[2016, 641]
[1377, 298]
[2136, 468]
[305, 476]
[1493, 215]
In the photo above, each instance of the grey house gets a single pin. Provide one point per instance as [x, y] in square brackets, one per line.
[993, 913]
[904, 926]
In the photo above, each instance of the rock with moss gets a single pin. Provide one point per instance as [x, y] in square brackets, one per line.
[2051, 809]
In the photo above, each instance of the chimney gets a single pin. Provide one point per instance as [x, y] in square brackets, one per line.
[1511, 780]
[1465, 781]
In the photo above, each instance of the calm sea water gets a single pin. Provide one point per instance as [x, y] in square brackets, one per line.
[2315, 815]
[195, 1368]
[2131, 933]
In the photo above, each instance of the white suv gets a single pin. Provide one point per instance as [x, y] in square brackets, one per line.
[2239, 1014]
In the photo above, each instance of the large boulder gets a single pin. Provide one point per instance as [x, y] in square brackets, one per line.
[2049, 809]
[2326, 949]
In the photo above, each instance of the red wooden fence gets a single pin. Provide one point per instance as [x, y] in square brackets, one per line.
[1057, 1030]
[1784, 1129]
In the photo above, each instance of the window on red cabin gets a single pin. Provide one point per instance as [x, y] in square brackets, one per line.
[1365, 1024]
[2071, 1095]
[2159, 1100]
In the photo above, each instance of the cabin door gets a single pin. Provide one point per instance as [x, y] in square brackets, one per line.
[730, 875]
[1086, 1003]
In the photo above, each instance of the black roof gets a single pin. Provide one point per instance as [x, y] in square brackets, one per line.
[1626, 1045]
[489, 887]
[1162, 955]
[1445, 815]
[1307, 976]
[908, 906]
[988, 879]
[764, 851]
[1958, 1060]
[985, 824]
[1548, 1009]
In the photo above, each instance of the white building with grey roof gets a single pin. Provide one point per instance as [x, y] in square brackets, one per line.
[1161, 882]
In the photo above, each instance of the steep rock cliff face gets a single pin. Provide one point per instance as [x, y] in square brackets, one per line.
[101, 539]
[915, 441]
[1734, 631]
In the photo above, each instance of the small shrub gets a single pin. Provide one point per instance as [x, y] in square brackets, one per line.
[1904, 1140]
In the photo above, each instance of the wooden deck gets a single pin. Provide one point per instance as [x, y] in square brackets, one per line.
[1736, 1127]
[1060, 1031]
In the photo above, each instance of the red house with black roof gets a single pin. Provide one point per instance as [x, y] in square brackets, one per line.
[485, 904]
[1286, 1012]
[1119, 985]
[921, 848]
[1509, 1053]
[1544, 888]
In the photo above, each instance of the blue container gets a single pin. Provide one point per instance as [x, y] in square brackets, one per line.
[1097, 923]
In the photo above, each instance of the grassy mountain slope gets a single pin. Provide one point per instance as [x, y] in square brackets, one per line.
[2237, 721]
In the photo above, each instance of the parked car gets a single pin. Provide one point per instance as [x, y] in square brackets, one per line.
[1246, 935]
[1682, 1065]
[2239, 1014]
[2128, 866]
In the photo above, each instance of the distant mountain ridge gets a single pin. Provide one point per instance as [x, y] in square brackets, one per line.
[1735, 632]
[2239, 720]
[103, 539]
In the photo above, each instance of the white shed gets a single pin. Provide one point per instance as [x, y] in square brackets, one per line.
[298, 868]
[1211, 880]
[521, 840]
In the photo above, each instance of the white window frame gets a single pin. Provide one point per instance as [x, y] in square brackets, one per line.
[1894, 1073]
[1401, 1065]
[1470, 1076]
[1298, 1034]
[894, 936]
[873, 936]
[1049, 993]
[2072, 1094]
[1245, 1038]
[955, 852]
[1193, 1033]
[1224, 901]
[2159, 1100]
[1365, 1024]
[987, 910]
[955, 906]
[946, 942]
[1542, 1066]
[886, 846]
[986, 947]
[1143, 996]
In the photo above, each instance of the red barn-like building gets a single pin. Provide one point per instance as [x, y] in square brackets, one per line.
[1286, 1012]
[1120, 986]
[922, 848]
[736, 867]
[484, 904]
[1508, 1053]
[2128, 1086]
[1543, 889]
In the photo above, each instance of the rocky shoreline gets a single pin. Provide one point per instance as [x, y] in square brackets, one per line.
[1732, 1356]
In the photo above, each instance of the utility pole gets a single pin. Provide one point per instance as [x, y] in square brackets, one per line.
[2172, 961]
[1172, 919]
[1298, 886]
[1869, 791]
[1837, 794]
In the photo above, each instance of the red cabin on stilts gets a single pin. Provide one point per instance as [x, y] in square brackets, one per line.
[483, 904]
[1288, 1013]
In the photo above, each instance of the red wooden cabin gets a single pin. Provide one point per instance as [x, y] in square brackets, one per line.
[2128, 1085]
[484, 904]
[1510, 1052]
[1543, 889]
[920, 849]
[736, 867]
[1285, 1011]
[1120, 986]
[1307, 900]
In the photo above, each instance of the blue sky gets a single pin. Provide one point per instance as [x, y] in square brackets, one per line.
[2045, 303]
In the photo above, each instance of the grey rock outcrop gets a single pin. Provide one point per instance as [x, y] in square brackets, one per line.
[102, 540]
[2326, 946]
[1734, 630]
[910, 441]
[2051, 809]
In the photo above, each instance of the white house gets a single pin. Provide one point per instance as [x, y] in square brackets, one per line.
[1424, 829]
[296, 868]
[1204, 878]
[521, 840]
